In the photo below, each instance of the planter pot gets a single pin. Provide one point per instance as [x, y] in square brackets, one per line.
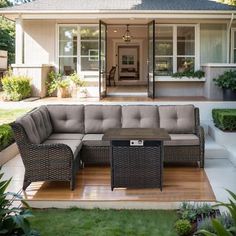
[8, 153]
[229, 95]
[78, 93]
[63, 93]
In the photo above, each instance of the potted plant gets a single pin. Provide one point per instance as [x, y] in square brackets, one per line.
[77, 84]
[227, 81]
[56, 82]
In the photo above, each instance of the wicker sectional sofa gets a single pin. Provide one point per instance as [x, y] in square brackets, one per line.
[54, 139]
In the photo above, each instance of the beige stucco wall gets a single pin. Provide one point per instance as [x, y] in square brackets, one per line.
[39, 42]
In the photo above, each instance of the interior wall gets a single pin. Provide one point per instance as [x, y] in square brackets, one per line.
[139, 38]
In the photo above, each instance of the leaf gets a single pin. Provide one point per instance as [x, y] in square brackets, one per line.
[221, 231]
[204, 232]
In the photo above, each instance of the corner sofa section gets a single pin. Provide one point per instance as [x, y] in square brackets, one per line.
[54, 139]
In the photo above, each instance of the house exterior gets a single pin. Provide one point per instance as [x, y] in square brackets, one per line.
[88, 37]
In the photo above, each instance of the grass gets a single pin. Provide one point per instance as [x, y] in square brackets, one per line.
[74, 222]
[9, 115]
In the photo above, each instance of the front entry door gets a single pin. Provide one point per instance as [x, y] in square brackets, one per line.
[151, 59]
[102, 59]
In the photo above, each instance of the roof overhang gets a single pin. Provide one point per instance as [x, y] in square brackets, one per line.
[114, 14]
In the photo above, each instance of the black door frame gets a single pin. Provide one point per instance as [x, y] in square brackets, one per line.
[102, 94]
[151, 84]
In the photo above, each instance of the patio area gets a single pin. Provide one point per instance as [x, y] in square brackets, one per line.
[185, 183]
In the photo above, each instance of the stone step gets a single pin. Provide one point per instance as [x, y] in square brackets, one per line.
[214, 150]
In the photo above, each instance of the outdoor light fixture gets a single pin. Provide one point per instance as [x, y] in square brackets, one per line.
[127, 37]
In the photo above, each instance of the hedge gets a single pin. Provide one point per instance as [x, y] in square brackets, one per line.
[225, 119]
[6, 136]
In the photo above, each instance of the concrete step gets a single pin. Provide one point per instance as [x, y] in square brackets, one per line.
[214, 150]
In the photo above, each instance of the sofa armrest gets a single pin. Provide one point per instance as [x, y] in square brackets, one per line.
[201, 135]
[42, 154]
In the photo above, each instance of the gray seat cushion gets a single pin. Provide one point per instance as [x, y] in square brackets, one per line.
[67, 118]
[177, 119]
[100, 118]
[139, 116]
[75, 145]
[66, 136]
[94, 140]
[182, 140]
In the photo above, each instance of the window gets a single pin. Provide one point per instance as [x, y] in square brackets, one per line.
[127, 60]
[175, 49]
[164, 50]
[68, 49]
[89, 48]
[78, 47]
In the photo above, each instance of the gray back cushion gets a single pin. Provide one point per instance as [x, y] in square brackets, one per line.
[99, 118]
[30, 128]
[139, 117]
[42, 122]
[177, 119]
[67, 118]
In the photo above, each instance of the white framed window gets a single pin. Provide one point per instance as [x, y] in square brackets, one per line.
[78, 48]
[67, 49]
[176, 49]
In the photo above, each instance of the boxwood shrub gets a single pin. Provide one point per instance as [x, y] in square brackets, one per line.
[225, 119]
[6, 136]
[16, 88]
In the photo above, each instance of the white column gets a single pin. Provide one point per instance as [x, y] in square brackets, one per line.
[19, 41]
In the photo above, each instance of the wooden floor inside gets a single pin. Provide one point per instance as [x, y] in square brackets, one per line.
[93, 184]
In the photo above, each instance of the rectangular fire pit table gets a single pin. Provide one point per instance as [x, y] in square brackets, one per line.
[136, 157]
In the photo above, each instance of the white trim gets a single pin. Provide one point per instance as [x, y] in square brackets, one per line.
[184, 79]
[233, 47]
[223, 65]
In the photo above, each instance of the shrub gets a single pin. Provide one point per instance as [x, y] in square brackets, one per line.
[190, 74]
[6, 136]
[16, 88]
[13, 220]
[55, 81]
[225, 119]
[227, 80]
[183, 227]
[225, 219]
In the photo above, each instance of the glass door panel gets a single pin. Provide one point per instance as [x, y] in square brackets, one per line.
[102, 59]
[151, 59]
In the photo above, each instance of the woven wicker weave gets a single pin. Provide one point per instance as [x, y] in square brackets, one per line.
[136, 167]
[95, 155]
[100, 155]
[45, 162]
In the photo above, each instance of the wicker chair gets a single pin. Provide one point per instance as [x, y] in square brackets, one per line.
[45, 162]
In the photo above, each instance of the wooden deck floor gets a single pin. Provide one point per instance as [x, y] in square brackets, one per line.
[93, 184]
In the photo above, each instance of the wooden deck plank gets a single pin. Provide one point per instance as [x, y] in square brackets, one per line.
[93, 184]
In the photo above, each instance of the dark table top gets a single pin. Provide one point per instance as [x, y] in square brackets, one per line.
[136, 133]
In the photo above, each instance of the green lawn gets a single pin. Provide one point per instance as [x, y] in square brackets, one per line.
[9, 115]
[78, 222]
